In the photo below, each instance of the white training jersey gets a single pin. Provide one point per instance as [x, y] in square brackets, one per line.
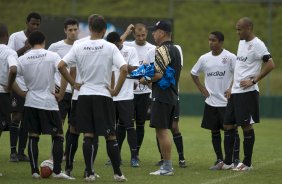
[38, 68]
[94, 60]
[142, 52]
[17, 41]
[130, 56]
[218, 72]
[248, 64]
[8, 58]
[62, 48]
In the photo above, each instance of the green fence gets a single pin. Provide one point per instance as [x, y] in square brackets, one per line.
[193, 104]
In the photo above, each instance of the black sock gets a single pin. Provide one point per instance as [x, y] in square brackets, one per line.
[33, 154]
[131, 139]
[249, 140]
[236, 154]
[23, 135]
[159, 148]
[66, 138]
[71, 147]
[14, 132]
[178, 141]
[114, 155]
[96, 146]
[139, 134]
[88, 150]
[216, 142]
[229, 139]
[57, 153]
[121, 134]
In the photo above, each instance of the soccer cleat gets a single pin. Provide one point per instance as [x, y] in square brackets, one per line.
[14, 157]
[163, 172]
[236, 162]
[134, 162]
[222, 166]
[121, 178]
[36, 176]
[90, 178]
[159, 163]
[242, 167]
[182, 164]
[23, 158]
[62, 176]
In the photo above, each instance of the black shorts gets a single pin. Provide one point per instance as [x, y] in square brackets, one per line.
[95, 114]
[213, 117]
[176, 112]
[141, 105]
[41, 121]
[242, 109]
[5, 113]
[124, 111]
[65, 106]
[72, 120]
[161, 115]
[17, 103]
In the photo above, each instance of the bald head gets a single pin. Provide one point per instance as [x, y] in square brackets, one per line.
[246, 22]
[140, 34]
[244, 29]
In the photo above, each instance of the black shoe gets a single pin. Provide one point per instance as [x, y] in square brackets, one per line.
[23, 158]
[182, 164]
[159, 163]
[14, 157]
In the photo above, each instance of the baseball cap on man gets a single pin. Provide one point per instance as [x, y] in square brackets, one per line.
[162, 25]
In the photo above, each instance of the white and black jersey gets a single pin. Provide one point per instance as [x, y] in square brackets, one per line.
[17, 41]
[248, 64]
[89, 54]
[38, 68]
[8, 58]
[218, 72]
[130, 56]
[142, 52]
[62, 48]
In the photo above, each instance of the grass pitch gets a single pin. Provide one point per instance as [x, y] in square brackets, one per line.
[267, 159]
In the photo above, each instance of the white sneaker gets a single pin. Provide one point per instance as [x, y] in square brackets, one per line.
[118, 178]
[96, 175]
[90, 178]
[222, 166]
[242, 167]
[36, 176]
[62, 176]
[163, 172]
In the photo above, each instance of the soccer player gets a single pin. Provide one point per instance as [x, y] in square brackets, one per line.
[62, 47]
[94, 60]
[243, 105]
[141, 91]
[124, 106]
[18, 42]
[8, 72]
[164, 100]
[38, 68]
[217, 66]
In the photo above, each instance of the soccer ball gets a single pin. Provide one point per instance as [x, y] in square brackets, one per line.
[46, 168]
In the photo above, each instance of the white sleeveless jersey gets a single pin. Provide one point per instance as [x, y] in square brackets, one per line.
[62, 49]
[16, 42]
[142, 52]
[94, 60]
[248, 64]
[8, 58]
[130, 56]
[218, 72]
[38, 68]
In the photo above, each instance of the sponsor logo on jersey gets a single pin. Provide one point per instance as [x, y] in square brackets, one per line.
[37, 56]
[216, 74]
[241, 58]
[96, 48]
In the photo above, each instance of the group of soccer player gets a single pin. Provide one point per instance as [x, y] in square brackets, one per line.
[86, 81]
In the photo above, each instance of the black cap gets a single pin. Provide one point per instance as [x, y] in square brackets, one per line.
[162, 25]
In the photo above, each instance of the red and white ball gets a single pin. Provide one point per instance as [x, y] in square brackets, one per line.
[46, 168]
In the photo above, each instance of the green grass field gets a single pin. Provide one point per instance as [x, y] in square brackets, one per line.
[267, 159]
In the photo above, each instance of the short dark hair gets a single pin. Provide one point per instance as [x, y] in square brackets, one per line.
[97, 23]
[36, 37]
[33, 15]
[70, 21]
[3, 30]
[219, 35]
[113, 37]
